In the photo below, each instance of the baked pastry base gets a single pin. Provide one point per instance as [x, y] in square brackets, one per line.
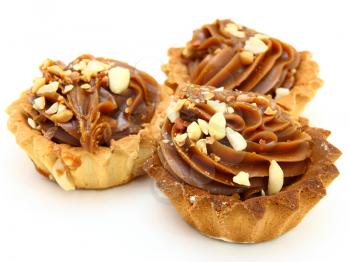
[305, 88]
[74, 167]
[256, 219]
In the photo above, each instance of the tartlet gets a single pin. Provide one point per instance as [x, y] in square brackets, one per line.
[227, 54]
[237, 166]
[89, 124]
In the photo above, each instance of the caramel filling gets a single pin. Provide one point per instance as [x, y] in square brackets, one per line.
[236, 57]
[266, 132]
[81, 105]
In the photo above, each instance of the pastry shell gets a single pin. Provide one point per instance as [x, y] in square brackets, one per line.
[305, 88]
[256, 219]
[76, 168]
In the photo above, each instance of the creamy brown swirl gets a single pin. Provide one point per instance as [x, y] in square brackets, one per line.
[236, 57]
[268, 131]
[75, 104]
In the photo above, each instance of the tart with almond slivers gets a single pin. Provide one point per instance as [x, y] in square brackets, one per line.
[237, 166]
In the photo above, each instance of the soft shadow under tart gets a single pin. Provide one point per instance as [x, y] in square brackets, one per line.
[90, 124]
[231, 189]
[227, 54]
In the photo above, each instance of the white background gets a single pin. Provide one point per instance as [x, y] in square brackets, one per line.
[40, 222]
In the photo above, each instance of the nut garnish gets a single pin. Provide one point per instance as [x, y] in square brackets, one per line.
[48, 89]
[179, 104]
[276, 178]
[39, 103]
[63, 116]
[31, 123]
[261, 36]
[217, 125]
[119, 79]
[67, 88]
[219, 89]
[62, 178]
[233, 29]
[85, 86]
[281, 92]
[55, 69]
[193, 131]
[269, 111]
[255, 45]
[217, 105]
[230, 110]
[201, 144]
[172, 114]
[208, 95]
[236, 140]
[242, 178]
[37, 83]
[204, 126]
[52, 109]
[180, 139]
[246, 57]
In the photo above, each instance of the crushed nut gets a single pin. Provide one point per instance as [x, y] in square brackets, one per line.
[217, 125]
[180, 139]
[210, 140]
[219, 89]
[255, 45]
[236, 140]
[37, 83]
[233, 29]
[230, 110]
[52, 109]
[281, 92]
[179, 104]
[63, 116]
[31, 123]
[39, 103]
[204, 126]
[119, 79]
[242, 178]
[67, 89]
[276, 178]
[246, 57]
[217, 105]
[85, 86]
[172, 114]
[208, 95]
[270, 112]
[129, 101]
[261, 36]
[48, 89]
[201, 144]
[56, 70]
[193, 131]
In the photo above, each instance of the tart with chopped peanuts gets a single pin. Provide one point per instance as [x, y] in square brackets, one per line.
[245, 174]
[226, 54]
[89, 124]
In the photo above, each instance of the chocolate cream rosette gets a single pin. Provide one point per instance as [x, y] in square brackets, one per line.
[233, 56]
[88, 124]
[237, 166]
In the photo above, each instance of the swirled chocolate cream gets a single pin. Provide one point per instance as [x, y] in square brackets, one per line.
[91, 101]
[89, 124]
[228, 142]
[226, 54]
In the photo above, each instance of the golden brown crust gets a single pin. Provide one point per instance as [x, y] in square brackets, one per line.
[305, 88]
[256, 219]
[74, 167]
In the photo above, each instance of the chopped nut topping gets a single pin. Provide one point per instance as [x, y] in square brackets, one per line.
[55, 69]
[208, 95]
[119, 79]
[236, 140]
[269, 111]
[255, 45]
[180, 139]
[217, 105]
[261, 36]
[67, 89]
[129, 101]
[37, 83]
[31, 123]
[281, 92]
[81, 65]
[179, 104]
[39, 103]
[61, 108]
[276, 178]
[246, 57]
[85, 86]
[52, 109]
[48, 89]
[193, 131]
[201, 144]
[233, 29]
[63, 116]
[217, 125]
[172, 114]
[230, 110]
[242, 178]
[204, 126]
[210, 140]
[219, 89]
